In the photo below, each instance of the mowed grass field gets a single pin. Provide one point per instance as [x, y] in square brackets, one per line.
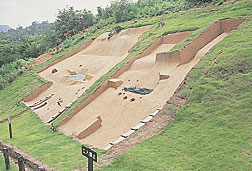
[212, 131]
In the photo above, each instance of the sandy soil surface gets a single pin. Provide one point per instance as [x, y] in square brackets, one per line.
[95, 60]
[119, 114]
[118, 45]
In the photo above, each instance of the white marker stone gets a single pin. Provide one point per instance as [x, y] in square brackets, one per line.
[108, 147]
[148, 119]
[154, 113]
[117, 141]
[128, 133]
[137, 126]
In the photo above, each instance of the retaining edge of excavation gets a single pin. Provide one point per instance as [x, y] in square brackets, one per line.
[45, 86]
[14, 116]
[99, 90]
[105, 85]
[187, 53]
[66, 56]
[38, 91]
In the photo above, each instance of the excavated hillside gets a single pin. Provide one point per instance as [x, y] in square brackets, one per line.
[176, 97]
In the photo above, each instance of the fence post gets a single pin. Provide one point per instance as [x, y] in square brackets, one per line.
[6, 158]
[21, 163]
[90, 164]
[10, 130]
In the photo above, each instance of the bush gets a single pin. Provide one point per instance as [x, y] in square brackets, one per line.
[117, 28]
[9, 72]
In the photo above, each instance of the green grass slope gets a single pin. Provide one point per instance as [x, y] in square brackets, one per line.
[3, 167]
[213, 131]
[63, 153]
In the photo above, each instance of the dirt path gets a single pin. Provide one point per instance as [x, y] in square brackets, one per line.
[14, 116]
[95, 60]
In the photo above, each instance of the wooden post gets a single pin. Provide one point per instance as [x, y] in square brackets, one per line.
[10, 130]
[21, 163]
[90, 164]
[6, 158]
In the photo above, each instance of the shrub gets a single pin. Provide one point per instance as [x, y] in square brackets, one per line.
[118, 28]
[9, 72]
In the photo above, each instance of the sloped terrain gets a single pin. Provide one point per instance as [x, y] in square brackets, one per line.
[211, 132]
[159, 71]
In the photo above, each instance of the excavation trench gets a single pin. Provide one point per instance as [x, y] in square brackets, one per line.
[71, 76]
[156, 69]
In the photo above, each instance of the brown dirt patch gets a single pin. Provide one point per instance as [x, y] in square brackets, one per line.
[42, 58]
[14, 116]
[211, 10]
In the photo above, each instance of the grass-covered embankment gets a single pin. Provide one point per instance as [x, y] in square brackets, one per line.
[213, 130]
[61, 152]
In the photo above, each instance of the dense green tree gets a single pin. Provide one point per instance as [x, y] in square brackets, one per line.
[70, 21]
[99, 12]
[35, 28]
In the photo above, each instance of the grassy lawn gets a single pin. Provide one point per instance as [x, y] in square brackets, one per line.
[34, 138]
[2, 165]
[63, 153]
[213, 130]
[15, 92]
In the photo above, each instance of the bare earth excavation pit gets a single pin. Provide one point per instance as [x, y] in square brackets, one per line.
[111, 113]
[92, 62]
[155, 69]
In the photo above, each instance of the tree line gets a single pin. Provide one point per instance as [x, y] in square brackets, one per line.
[18, 45]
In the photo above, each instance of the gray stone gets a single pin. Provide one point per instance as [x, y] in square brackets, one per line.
[154, 113]
[68, 106]
[125, 135]
[117, 141]
[137, 126]
[148, 119]
[108, 147]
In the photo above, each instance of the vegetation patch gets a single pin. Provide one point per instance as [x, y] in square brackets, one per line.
[2, 165]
